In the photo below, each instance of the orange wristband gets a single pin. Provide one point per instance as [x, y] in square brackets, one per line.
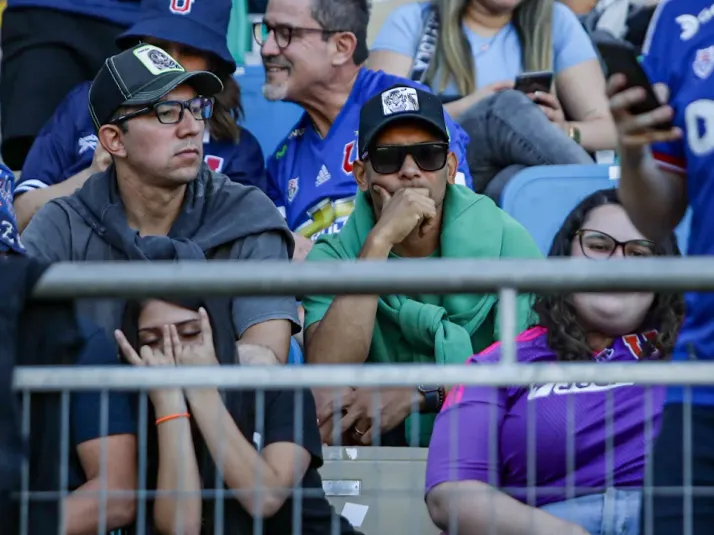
[172, 417]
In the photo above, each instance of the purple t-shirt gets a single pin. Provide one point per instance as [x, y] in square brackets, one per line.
[546, 425]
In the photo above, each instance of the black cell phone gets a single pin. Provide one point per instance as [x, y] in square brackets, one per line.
[530, 82]
[622, 58]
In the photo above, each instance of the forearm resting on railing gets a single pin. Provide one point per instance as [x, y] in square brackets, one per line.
[655, 199]
[344, 334]
[83, 506]
[475, 508]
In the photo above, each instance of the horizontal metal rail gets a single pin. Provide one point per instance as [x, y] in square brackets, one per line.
[146, 279]
[252, 377]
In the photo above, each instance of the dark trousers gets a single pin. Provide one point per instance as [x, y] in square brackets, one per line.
[668, 506]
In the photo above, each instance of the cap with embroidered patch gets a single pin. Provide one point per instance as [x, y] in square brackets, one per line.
[9, 234]
[397, 104]
[139, 76]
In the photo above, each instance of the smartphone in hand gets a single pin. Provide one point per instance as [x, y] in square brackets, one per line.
[622, 58]
[530, 82]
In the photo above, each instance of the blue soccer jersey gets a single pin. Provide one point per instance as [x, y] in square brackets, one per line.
[679, 52]
[310, 178]
[65, 146]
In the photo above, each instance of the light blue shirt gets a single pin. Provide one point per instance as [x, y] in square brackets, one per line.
[496, 58]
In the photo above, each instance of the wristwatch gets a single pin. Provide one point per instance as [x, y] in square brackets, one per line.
[574, 133]
[433, 396]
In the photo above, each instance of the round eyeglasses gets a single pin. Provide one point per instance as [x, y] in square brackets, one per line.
[601, 246]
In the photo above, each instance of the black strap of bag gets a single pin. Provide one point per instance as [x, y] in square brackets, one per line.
[427, 45]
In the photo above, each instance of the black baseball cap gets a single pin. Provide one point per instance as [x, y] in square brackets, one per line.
[398, 103]
[140, 76]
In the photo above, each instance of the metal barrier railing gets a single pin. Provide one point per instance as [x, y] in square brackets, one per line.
[506, 277]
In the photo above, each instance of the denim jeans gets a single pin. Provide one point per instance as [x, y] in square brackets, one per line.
[613, 512]
[509, 132]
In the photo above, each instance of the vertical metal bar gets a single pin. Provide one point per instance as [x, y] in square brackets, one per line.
[494, 476]
[374, 414]
[453, 471]
[25, 474]
[103, 456]
[219, 503]
[688, 509]
[297, 489]
[180, 494]
[413, 442]
[531, 480]
[647, 490]
[142, 431]
[570, 482]
[507, 308]
[609, 439]
[259, 490]
[64, 461]
[336, 430]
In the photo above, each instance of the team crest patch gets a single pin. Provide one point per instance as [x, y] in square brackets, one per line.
[293, 187]
[704, 62]
[156, 60]
[400, 99]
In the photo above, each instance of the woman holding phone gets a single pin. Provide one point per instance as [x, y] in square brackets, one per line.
[472, 51]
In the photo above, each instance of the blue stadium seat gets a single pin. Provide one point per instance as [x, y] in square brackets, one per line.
[270, 122]
[541, 197]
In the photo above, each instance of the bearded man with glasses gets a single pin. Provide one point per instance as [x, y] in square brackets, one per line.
[158, 200]
[314, 52]
[407, 206]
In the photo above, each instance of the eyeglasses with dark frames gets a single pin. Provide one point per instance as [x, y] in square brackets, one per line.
[284, 33]
[601, 246]
[171, 111]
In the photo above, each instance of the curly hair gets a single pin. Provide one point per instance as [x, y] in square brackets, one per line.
[566, 336]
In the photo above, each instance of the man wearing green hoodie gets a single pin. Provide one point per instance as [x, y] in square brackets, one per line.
[407, 207]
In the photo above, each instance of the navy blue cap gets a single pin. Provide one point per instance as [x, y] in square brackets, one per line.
[200, 24]
[9, 235]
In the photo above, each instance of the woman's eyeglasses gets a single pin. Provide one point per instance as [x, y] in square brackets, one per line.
[171, 111]
[600, 246]
[388, 159]
[283, 34]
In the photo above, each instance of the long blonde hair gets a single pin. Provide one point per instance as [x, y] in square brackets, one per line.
[533, 21]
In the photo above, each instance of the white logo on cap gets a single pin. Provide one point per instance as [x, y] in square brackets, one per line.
[156, 60]
[400, 99]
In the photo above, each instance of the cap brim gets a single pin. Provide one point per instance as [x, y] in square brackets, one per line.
[407, 116]
[205, 83]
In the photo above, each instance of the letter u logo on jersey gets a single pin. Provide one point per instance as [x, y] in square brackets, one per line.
[181, 7]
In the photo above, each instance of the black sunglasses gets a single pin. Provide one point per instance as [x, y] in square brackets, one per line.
[283, 33]
[388, 159]
[600, 246]
[171, 111]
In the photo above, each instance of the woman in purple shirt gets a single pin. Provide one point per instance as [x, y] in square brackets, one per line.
[560, 458]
